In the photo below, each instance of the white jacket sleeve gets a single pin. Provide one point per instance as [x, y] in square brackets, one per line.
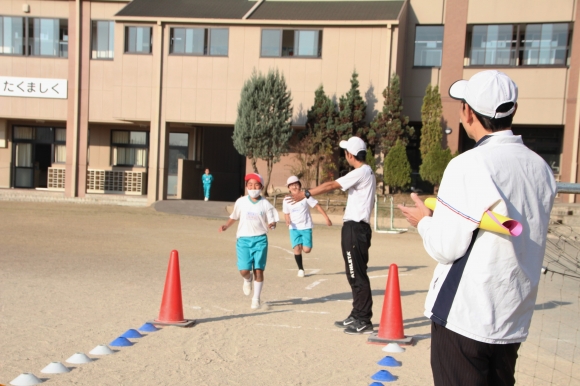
[465, 193]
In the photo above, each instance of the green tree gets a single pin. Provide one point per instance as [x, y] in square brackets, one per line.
[351, 111]
[370, 160]
[397, 169]
[431, 113]
[390, 125]
[322, 118]
[434, 165]
[434, 157]
[263, 126]
[315, 160]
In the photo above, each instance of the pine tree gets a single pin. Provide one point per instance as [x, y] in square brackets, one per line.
[263, 126]
[431, 112]
[434, 157]
[322, 118]
[397, 169]
[351, 111]
[390, 125]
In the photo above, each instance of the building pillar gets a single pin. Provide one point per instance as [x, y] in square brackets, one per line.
[83, 136]
[454, 36]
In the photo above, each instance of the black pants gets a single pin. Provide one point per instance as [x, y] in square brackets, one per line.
[459, 361]
[355, 242]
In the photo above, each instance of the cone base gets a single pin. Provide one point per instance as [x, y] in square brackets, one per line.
[183, 323]
[374, 339]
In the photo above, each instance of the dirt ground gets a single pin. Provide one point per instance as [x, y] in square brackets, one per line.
[76, 276]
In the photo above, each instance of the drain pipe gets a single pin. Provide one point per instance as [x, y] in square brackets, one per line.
[253, 9]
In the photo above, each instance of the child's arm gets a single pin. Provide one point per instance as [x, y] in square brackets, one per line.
[323, 213]
[227, 225]
[287, 217]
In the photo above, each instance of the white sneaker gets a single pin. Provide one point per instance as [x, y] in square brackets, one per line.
[300, 273]
[255, 303]
[205, 199]
[247, 286]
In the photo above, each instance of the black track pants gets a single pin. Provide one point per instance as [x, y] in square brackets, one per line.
[355, 242]
[459, 361]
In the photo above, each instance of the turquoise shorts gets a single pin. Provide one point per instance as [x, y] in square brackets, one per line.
[252, 252]
[301, 237]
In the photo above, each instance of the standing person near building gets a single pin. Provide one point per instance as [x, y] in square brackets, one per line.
[299, 221]
[206, 179]
[482, 295]
[256, 217]
[356, 232]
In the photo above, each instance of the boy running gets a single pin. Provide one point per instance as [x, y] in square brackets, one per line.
[299, 221]
[256, 216]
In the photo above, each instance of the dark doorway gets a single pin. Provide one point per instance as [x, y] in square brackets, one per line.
[42, 161]
[225, 164]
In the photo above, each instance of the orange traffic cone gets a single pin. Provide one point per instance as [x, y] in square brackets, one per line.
[391, 327]
[171, 312]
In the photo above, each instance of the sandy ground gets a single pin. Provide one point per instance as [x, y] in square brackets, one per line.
[73, 277]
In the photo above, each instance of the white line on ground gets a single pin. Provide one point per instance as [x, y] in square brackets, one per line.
[315, 284]
[401, 274]
[284, 249]
[312, 312]
[277, 325]
[223, 309]
[196, 307]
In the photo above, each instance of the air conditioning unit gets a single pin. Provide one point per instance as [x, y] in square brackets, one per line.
[56, 178]
[116, 182]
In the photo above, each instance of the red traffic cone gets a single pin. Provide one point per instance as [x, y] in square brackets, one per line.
[171, 312]
[391, 327]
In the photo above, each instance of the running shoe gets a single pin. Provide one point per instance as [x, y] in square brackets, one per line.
[247, 286]
[255, 303]
[345, 323]
[300, 273]
[358, 328]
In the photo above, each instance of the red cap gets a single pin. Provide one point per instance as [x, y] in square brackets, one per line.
[254, 176]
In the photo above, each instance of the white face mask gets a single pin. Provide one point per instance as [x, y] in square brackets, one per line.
[254, 193]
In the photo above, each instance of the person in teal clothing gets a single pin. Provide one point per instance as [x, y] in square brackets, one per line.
[206, 179]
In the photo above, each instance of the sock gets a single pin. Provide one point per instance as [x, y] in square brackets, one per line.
[258, 289]
[299, 261]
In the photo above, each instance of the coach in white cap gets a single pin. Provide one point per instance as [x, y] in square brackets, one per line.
[356, 232]
[483, 292]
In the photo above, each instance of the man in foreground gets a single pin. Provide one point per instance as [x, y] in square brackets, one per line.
[482, 295]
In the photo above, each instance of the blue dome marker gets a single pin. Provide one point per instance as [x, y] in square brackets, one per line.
[384, 375]
[376, 384]
[133, 334]
[148, 327]
[389, 361]
[121, 342]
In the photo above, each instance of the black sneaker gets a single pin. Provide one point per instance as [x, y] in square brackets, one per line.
[345, 323]
[358, 328]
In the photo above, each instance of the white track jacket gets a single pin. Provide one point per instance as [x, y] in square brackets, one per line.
[485, 284]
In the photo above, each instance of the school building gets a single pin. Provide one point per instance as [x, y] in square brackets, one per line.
[137, 98]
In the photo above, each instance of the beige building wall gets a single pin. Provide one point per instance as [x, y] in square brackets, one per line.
[519, 11]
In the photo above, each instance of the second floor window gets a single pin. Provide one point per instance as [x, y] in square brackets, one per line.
[288, 43]
[103, 39]
[199, 41]
[138, 40]
[129, 148]
[428, 45]
[518, 45]
[11, 35]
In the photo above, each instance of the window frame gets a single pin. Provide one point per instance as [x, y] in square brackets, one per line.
[28, 37]
[520, 36]
[206, 39]
[24, 35]
[126, 40]
[91, 38]
[415, 42]
[320, 40]
[129, 145]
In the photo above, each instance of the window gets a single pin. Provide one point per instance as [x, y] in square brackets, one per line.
[518, 45]
[48, 37]
[103, 39]
[428, 46]
[286, 43]
[138, 40]
[545, 44]
[129, 148]
[60, 146]
[11, 35]
[199, 41]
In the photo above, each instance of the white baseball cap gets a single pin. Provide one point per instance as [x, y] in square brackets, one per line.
[291, 180]
[485, 91]
[353, 145]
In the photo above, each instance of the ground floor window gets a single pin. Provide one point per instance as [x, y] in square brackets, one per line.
[129, 148]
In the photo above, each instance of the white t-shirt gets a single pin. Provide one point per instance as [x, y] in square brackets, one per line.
[361, 185]
[299, 212]
[254, 217]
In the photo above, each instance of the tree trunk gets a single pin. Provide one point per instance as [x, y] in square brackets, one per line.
[254, 166]
[268, 175]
